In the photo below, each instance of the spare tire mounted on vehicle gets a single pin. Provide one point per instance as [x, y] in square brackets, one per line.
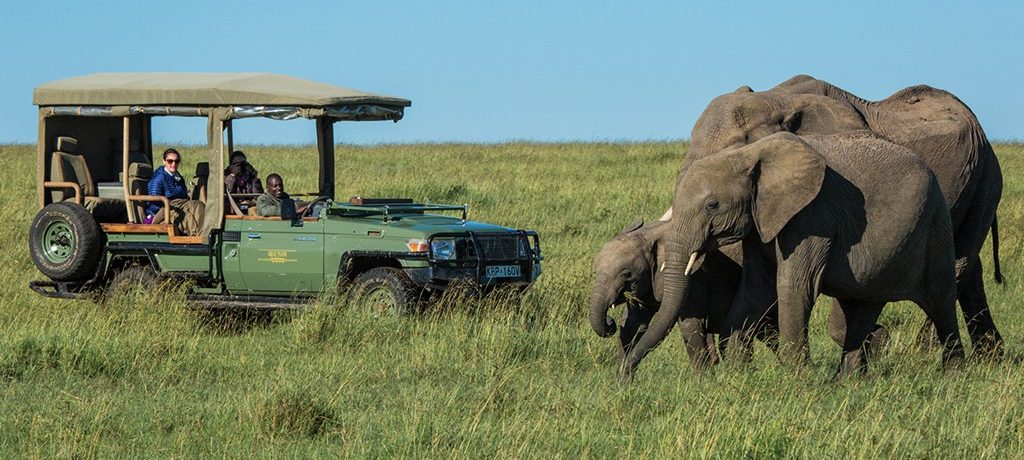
[65, 242]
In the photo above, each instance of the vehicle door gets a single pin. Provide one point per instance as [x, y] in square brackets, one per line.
[281, 256]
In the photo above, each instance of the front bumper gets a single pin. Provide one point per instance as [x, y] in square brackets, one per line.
[477, 255]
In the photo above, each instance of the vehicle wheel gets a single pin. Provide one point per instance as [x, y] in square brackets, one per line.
[385, 291]
[131, 276]
[65, 241]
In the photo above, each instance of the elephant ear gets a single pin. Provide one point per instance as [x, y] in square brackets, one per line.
[787, 174]
[632, 227]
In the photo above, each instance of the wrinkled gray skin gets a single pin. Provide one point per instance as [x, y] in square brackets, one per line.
[852, 216]
[626, 271]
[932, 123]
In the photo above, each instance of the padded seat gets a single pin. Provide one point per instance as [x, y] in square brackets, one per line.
[138, 181]
[67, 166]
[135, 155]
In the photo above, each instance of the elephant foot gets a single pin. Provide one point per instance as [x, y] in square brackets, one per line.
[989, 347]
[927, 339]
[852, 364]
[953, 359]
[626, 376]
[876, 341]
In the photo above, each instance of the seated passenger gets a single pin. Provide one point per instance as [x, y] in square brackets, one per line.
[240, 176]
[269, 203]
[186, 214]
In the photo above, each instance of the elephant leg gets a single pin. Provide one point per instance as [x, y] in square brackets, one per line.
[695, 337]
[874, 343]
[939, 303]
[927, 338]
[753, 302]
[982, 329]
[859, 318]
[633, 326]
[970, 237]
[797, 284]
[795, 303]
[712, 347]
[693, 322]
[767, 330]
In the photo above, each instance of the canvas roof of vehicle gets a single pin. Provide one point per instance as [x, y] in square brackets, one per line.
[202, 89]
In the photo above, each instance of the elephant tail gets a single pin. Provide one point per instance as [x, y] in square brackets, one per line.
[995, 248]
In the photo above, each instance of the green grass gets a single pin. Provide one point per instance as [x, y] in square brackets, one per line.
[146, 377]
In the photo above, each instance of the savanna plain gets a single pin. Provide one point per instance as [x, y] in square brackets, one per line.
[145, 375]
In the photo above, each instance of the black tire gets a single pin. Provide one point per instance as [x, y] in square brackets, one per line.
[385, 291]
[66, 242]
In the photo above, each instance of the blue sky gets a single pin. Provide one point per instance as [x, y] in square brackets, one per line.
[529, 70]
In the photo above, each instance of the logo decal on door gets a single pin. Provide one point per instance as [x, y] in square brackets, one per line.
[277, 256]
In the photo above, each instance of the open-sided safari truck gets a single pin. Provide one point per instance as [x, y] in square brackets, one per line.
[95, 157]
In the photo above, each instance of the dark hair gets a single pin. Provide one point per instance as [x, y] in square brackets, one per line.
[171, 150]
[236, 154]
[274, 175]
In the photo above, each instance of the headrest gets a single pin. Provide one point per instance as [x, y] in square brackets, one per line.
[203, 169]
[67, 144]
[140, 170]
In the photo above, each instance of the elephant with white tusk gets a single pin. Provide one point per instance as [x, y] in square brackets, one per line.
[932, 123]
[853, 216]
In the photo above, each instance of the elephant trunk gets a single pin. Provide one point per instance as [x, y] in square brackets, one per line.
[600, 302]
[676, 290]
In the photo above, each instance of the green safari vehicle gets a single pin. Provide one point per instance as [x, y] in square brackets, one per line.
[95, 157]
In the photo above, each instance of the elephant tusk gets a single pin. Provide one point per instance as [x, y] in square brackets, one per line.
[662, 267]
[689, 266]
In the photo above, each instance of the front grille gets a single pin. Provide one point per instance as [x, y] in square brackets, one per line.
[504, 247]
[492, 247]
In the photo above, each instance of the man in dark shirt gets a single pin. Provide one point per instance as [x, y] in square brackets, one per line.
[269, 203]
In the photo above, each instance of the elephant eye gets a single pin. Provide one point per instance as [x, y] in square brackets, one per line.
[711, 205]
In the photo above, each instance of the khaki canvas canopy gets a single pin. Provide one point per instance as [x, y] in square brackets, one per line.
[202, 90]
[108, 115]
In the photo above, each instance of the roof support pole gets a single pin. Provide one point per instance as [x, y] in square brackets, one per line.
[125, 182]
[231, 137]
[325, 146]
[41, 172]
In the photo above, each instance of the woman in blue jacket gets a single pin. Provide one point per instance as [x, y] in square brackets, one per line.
[187, 215]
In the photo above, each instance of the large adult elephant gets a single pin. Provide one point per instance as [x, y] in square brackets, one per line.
[932, 123]
[853, 216]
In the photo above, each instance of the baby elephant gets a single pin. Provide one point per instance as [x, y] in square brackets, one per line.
[627, 272]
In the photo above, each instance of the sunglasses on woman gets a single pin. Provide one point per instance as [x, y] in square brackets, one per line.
[173, 161]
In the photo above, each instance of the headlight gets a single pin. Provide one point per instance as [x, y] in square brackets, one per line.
[443, 249]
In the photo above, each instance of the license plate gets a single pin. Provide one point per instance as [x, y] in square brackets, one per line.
[503, 271]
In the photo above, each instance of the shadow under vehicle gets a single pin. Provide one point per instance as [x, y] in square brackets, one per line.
[95, 157]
